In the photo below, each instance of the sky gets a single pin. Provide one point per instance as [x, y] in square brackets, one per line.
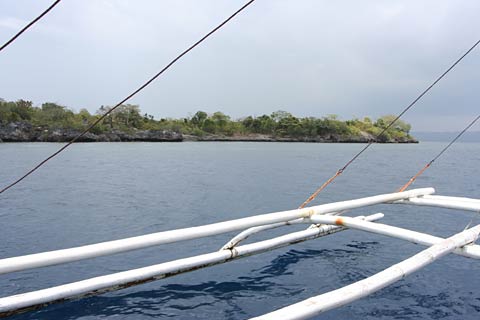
[308, 57]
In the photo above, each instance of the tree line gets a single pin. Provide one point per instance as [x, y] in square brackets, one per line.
[129, 117]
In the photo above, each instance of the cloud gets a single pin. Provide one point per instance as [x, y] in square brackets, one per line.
[12, 23]
[310, 57]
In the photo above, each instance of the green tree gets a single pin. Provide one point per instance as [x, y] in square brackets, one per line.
[221, 121]
[54, 115]
[209, 126]
[128, 115]
[289, 125]
[277, 116]
[199, 118]
[23, 109]
[6, 114]
[108, 120]
[84, 116]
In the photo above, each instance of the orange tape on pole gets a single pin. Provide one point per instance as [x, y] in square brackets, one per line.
[315, 194]
[412, 179]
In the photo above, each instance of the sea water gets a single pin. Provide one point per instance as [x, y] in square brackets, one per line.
[105, 191]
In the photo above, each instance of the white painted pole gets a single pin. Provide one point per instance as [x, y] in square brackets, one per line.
[461, 199]
[112, 247]
[296, 237]
[445, 202]
[247, 233]
[470, 251]
[14, 304]
[337, 298]
[242, 236]
[251, 231]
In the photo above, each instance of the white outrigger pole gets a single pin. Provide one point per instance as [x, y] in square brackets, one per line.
[322, 216]
[334, 299]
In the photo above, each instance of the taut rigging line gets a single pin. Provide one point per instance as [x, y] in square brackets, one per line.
[412, 179]
[309, 199]
[340, 171]
[29, 25]
[143, 86]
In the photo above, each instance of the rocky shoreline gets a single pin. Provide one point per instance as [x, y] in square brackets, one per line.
[25, 132]
[331, 138]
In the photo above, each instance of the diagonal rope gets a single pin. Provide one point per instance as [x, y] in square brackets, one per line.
[341, 170]
[29, 25]
[428, 164]
[412, 179]
[129, 96]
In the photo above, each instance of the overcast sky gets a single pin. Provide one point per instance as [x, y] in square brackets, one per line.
[309, 57]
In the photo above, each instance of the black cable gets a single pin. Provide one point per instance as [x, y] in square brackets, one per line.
[29, 25]
[128, 97]
[419, 173]
[455, 139]
[411, 105]
[340, 171]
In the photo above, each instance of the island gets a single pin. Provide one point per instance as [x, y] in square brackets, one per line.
[20, 121]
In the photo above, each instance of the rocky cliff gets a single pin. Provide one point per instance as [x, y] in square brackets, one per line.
[25, 132]
[363, 137]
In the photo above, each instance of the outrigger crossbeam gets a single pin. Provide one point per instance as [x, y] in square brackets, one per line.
[324, 220]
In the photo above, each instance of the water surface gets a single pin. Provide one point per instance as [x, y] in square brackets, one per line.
[105, 191]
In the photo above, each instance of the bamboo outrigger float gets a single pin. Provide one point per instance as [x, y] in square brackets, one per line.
[324, 220]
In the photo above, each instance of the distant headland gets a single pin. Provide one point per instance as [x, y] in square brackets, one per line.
[20, 121]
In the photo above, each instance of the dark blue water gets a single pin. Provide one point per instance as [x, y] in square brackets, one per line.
[99, 192]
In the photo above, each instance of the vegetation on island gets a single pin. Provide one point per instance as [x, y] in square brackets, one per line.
[129, 118]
